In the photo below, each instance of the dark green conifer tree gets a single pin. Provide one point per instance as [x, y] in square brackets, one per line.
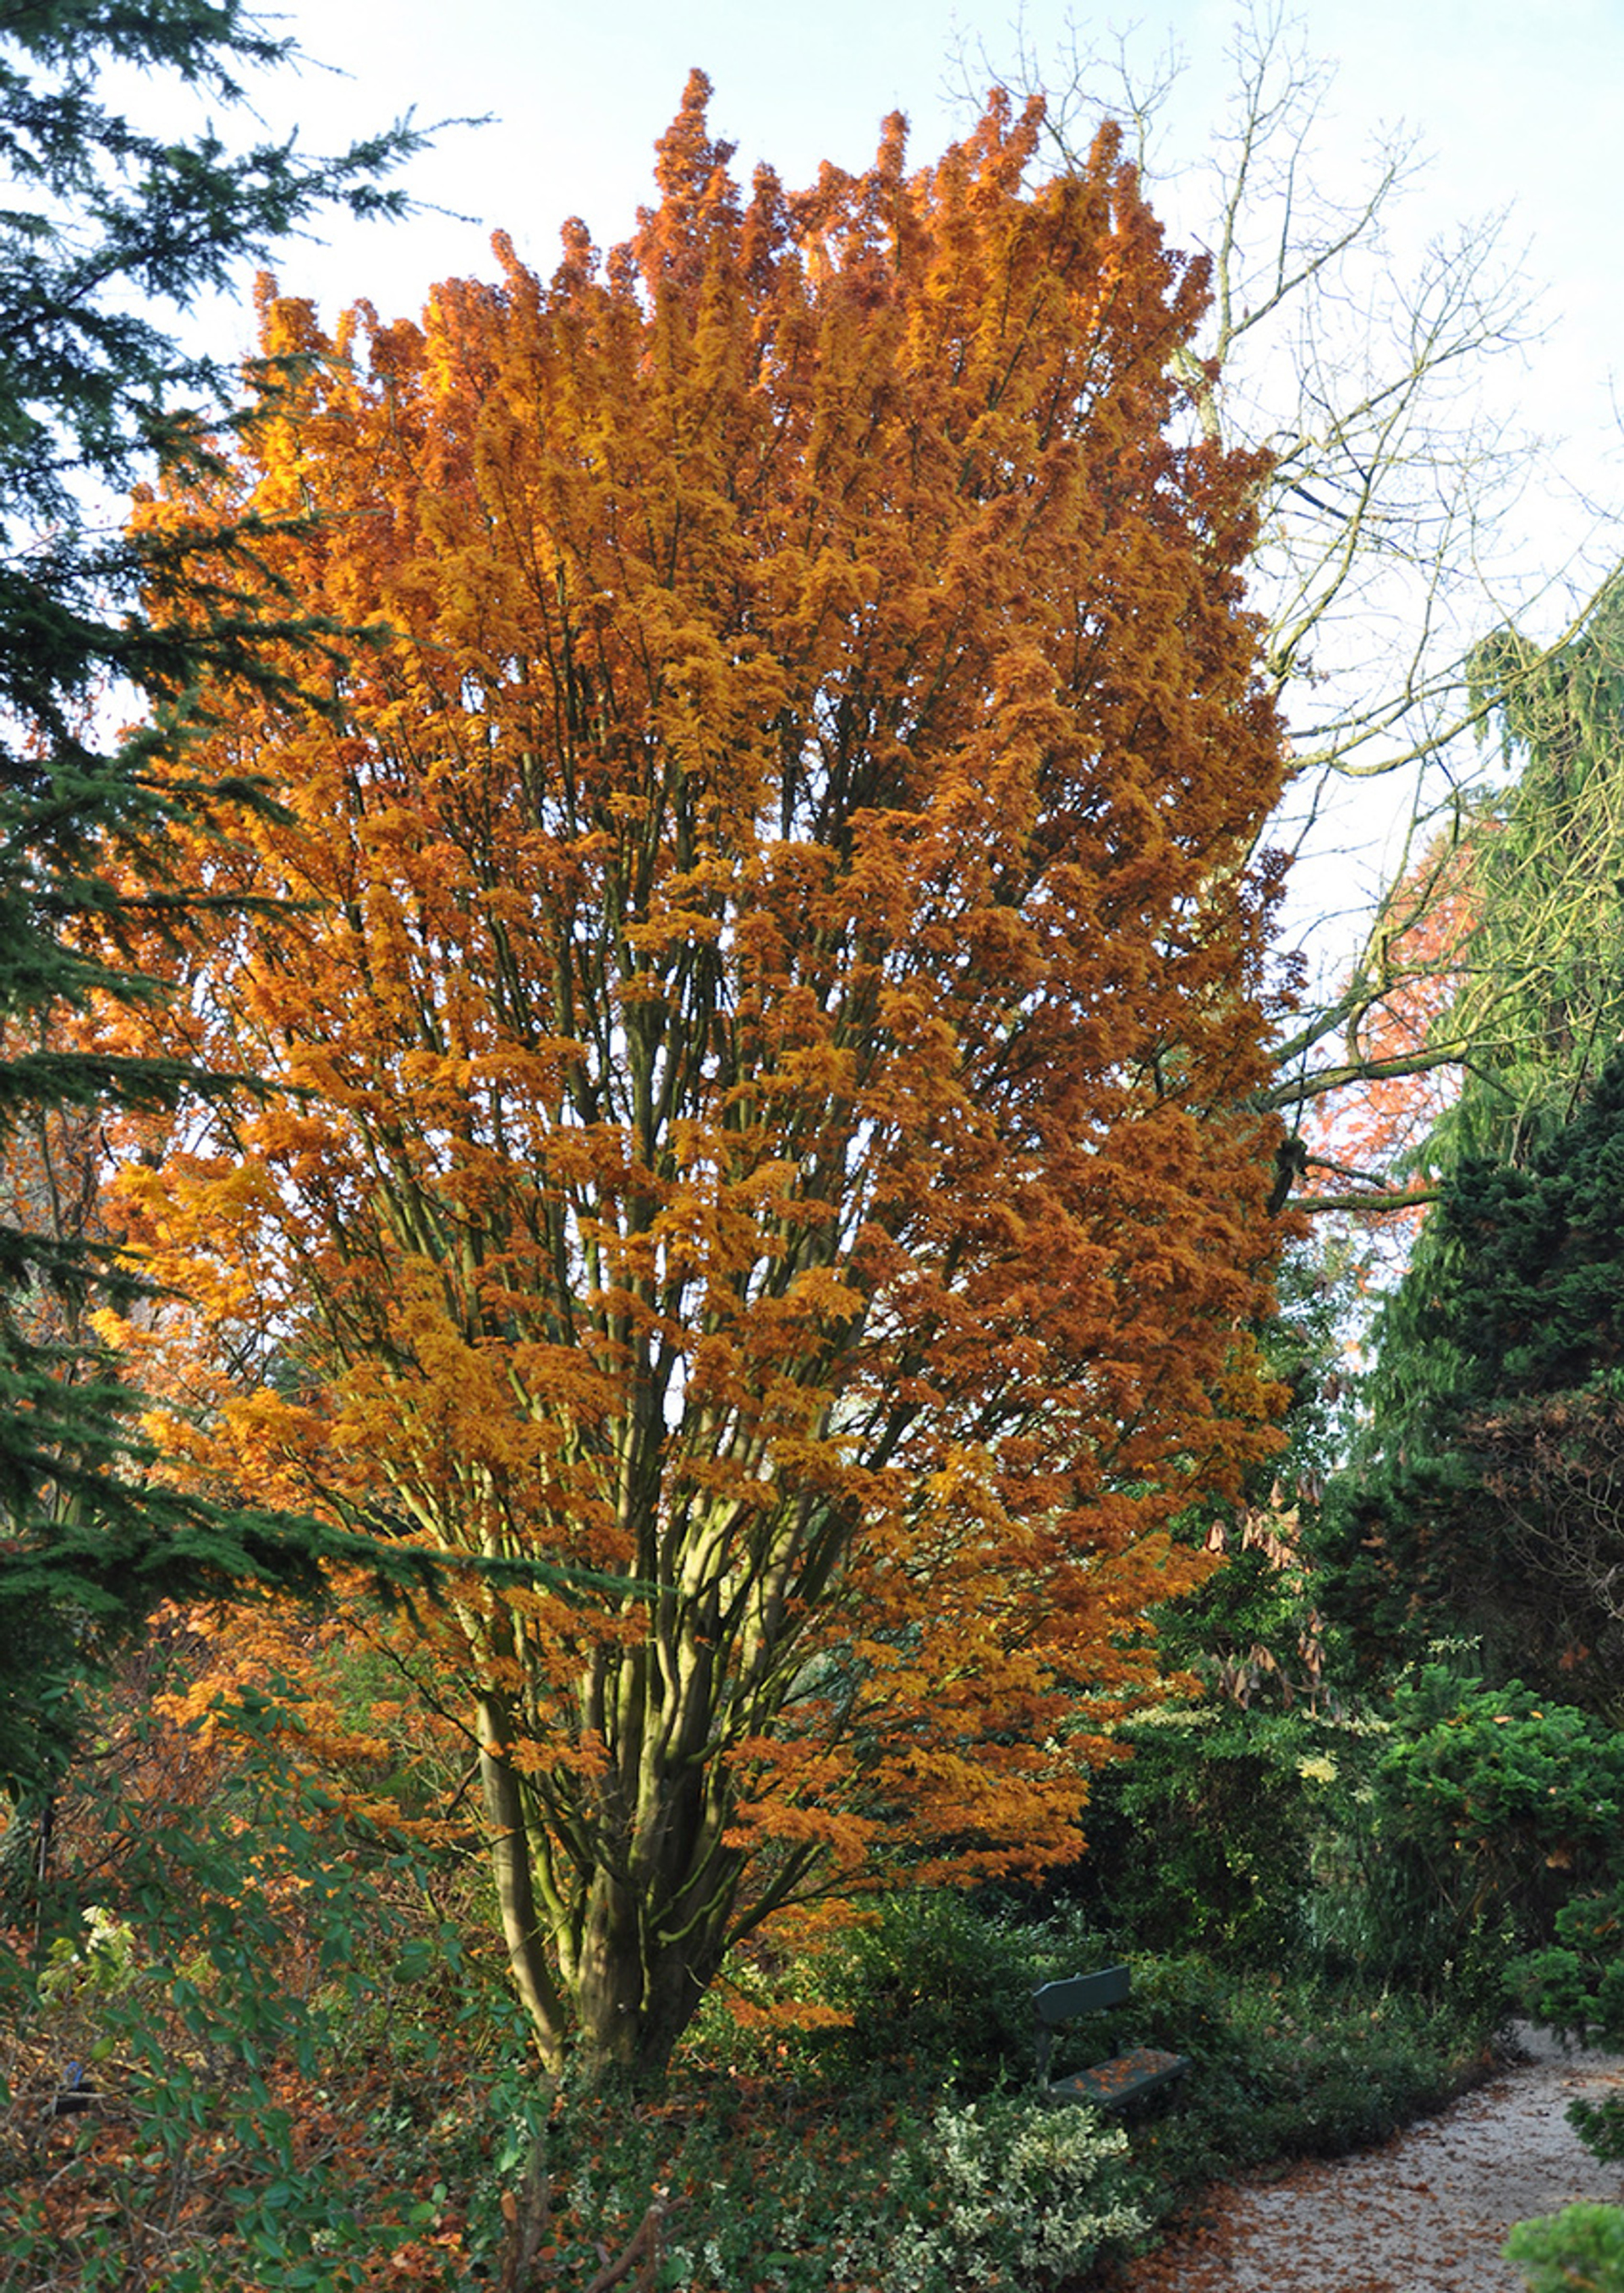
[111, 233]
[1478, 1506]
[1487, 1501]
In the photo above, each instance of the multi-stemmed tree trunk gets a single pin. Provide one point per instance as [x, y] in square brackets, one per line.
[763, 961]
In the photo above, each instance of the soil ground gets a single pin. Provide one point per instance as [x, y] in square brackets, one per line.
[1426, 2212]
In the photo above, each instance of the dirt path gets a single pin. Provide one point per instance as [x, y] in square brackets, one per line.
[1427, 2212]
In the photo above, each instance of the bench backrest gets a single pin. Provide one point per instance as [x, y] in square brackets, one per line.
[1082, 1994]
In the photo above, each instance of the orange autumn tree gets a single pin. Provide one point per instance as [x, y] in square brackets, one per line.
[1365, 1138]
[761, 992]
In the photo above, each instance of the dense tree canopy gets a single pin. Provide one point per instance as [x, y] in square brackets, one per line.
[767, 978]
[1485, 1504]
[110, 232]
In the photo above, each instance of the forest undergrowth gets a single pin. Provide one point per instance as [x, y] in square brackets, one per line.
[254, 2041]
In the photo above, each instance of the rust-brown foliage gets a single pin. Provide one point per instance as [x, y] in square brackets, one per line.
[770, 998]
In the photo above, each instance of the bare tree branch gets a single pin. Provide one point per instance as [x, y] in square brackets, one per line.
[1385, 525]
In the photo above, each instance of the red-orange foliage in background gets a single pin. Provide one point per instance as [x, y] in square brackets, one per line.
[1403, 1058]
[770, 992]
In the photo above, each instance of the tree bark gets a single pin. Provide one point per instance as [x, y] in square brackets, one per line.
[514, 1886]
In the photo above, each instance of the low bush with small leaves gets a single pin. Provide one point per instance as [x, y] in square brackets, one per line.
[1005, 2193]
[760, 2192]
[1579, 2250]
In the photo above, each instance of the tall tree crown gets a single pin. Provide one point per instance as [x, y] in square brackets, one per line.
[771, 977]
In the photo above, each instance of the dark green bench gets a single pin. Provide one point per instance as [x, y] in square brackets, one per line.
[1108, 2085]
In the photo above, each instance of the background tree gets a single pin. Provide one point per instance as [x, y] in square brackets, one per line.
[1492, 1402]
[1359, 373]
[1501, 947]
[1483, 1501]
[1541, 996]
[763, 952]
[112, 233]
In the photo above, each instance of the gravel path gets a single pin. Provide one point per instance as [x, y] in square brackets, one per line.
[1427, 2212]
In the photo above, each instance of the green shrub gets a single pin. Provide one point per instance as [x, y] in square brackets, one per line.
[1490, 1807]
[1204, 1839]
[1579, 2250]
[930, 1979]
[1576, 1986]
[1600, 2127]
[935, 1980]
[1506, 1799]
[208, 1994]
[1002, 2192]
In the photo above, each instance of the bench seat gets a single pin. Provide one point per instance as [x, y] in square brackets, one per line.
[1140, 2070]
[1109, 2085]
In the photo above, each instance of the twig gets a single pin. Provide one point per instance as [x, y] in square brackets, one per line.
[528, 2216]
[645, 2246]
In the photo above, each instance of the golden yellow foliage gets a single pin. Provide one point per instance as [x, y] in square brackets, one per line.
[762, 954]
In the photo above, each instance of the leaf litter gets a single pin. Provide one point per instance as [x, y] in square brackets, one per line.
[1427, 2211]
